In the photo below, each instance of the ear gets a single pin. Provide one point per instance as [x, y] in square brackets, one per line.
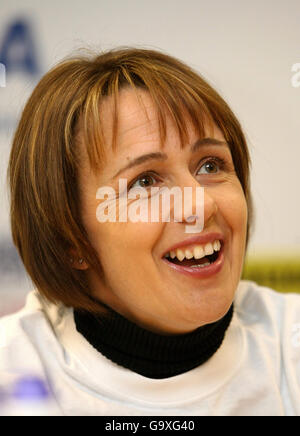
[77, 261]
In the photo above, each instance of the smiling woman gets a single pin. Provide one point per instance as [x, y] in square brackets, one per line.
[130, 313]
[179, 167]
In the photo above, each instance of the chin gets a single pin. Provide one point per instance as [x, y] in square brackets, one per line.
[209, 311]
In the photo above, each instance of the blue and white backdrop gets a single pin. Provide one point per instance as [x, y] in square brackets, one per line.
[250, 51]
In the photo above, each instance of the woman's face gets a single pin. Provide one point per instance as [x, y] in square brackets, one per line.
[138, 281]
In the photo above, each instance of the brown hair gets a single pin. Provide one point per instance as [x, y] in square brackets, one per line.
[45, 211]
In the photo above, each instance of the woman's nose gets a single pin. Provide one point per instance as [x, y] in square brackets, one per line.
[198, 206]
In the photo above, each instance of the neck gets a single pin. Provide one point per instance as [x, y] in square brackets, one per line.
[150, 354]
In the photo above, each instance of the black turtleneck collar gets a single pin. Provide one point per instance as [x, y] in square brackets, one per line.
[150, 354]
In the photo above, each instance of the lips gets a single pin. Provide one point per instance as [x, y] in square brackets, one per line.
[200, 256]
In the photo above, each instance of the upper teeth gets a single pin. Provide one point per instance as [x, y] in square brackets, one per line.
[196, 252]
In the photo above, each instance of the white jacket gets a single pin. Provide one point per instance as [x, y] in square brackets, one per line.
[255, 372]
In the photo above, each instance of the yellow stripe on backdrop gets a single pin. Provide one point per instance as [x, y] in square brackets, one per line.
[280, 271]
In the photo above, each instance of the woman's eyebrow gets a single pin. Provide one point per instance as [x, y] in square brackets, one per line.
[141, 159]
[163, 156]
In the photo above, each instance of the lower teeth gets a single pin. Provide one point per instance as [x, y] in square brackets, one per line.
[201, 266]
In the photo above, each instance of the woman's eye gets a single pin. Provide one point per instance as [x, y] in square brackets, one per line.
[144, 181]
[210, 167]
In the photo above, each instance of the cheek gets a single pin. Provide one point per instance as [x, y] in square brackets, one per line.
[233, 207]
[123, 246]
[120, 242]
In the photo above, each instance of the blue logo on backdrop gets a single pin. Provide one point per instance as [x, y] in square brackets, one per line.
[17, 51]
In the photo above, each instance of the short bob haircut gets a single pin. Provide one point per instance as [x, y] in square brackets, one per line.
[42, 174]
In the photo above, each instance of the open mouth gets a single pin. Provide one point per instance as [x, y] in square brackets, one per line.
[196, 263]
[196, 257]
